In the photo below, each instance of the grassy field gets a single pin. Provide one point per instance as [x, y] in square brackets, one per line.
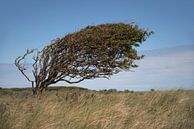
[75, 108]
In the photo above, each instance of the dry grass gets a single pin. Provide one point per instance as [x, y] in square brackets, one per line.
[82, 109]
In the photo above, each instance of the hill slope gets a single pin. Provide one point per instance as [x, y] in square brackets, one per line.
[82, 109]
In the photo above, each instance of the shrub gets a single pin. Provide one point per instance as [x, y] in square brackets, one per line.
[103, 90]
[112, 90]
[152, 90]
[126, 91]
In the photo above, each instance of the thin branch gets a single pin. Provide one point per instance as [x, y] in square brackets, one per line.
[20, 66]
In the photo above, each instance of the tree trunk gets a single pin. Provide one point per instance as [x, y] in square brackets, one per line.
[39, 87]
[34, 91]
[36, 88]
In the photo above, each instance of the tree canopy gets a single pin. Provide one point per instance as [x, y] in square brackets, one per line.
[97, 51]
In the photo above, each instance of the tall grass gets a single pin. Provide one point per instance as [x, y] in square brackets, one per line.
[85, 109]
[4, 117]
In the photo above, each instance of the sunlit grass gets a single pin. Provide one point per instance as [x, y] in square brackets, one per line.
[77, 108]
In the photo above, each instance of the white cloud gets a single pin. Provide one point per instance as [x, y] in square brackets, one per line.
[160, 69]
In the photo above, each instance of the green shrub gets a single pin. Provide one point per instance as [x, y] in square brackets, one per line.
[103, 90]
[152, 90]
[112, 90]
[126, 91]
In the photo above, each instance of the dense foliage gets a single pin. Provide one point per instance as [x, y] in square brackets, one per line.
[93, 52]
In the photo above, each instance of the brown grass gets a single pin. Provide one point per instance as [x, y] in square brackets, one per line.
[82, 109]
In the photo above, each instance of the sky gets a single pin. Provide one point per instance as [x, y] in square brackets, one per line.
[161, 69]
[34, 23]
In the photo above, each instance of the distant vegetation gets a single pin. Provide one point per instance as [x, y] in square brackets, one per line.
[53, 88]
[80, 108]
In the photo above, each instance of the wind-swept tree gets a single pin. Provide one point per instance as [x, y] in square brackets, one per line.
[93, 52]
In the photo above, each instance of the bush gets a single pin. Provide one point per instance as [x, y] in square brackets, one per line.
[103, 90]
[152, 90]
[112, 90]
[126, 91]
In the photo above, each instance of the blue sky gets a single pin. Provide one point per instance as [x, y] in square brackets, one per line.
[34, 23]
[169, 51]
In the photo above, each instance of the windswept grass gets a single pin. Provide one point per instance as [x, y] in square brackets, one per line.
[85, 109]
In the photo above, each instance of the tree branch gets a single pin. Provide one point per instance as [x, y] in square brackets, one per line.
[20, 66]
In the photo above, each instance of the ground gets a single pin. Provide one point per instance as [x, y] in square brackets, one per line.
[86, 109]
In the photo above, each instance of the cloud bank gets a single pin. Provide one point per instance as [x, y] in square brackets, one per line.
[161, 69]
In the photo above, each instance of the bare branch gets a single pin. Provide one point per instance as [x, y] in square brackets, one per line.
[20, 66]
